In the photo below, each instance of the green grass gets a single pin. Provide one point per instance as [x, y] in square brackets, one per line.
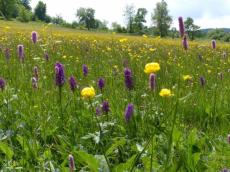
[185, 132]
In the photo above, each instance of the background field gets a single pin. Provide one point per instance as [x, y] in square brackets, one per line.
[185, 132]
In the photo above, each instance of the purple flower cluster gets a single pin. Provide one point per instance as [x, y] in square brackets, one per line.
[104, 108]
[34, 36]
[101, 83]
[129, 112]
[72, 83]
[60, 74]
[128, 78]
[2, 83]
[21, 53]
[85, 70]
[71, 163]
[202, 81]
[181, 26]
[213, 44]
[152, 81]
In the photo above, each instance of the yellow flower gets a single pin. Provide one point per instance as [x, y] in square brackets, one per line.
[152, 68]
[145, 36]
[165, 93]
[187, 77]
[88, 92]
[152, 49]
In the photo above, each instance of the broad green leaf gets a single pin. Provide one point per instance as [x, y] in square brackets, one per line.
[6, 150]
[88, 160]
[113, 147]
[125, 167]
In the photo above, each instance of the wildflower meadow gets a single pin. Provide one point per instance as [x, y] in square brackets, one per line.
[83, 101]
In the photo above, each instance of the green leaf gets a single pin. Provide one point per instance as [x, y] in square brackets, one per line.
[192, 137]
[88, 160]
[6, 150]
[125, 167]
[114, 146]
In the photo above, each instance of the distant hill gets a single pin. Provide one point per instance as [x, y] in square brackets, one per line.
[208, 29]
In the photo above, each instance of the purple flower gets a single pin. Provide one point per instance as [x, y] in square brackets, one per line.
[7, 54]
[185, 42]
[225, 170]
[34, 36]
[128, 78]
[60, 74]
[181, 26]
[21, 54]
[46, 56]
[202, 81]
[2, 83]
[152, 81]
[85, 70]
[72, 83]
[71, 163]
[98, 111]
[129, 112]
[105, 107]
[213, 44]
[36, 72]
[101, 83]
[34, 83]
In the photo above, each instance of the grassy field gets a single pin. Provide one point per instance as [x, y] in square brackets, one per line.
[42, 123]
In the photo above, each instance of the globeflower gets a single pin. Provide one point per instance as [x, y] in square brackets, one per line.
[165, 92]
[152, 68]
[187, 78]
[88, 92]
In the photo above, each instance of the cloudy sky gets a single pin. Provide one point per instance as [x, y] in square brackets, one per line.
[206, 13]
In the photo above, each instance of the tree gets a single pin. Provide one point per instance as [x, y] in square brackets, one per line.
[191, 28]
[40, 11]
[86, 17]
[7, 7]
[24, 14]
[26, 4]
[161, 18]
[139, 19]
[129, 14]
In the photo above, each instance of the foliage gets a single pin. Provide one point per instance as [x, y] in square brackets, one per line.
[7, 8]
[139, 20]
[24, 14]
[40, 11]
[129, 14]
[161, 18]
[86, 17]
[191, 28]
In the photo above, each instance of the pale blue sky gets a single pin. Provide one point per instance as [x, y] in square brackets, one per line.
[206, 13]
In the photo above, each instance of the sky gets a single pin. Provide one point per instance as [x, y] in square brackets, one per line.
[206, 13]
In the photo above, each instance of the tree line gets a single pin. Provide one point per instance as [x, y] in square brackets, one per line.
[135, 19]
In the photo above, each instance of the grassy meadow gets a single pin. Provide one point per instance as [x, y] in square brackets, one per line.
[40, 127]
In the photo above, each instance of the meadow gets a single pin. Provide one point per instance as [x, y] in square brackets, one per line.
[123, 120]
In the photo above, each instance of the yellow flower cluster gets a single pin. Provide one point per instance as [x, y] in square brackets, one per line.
[152, 68]
[88, 92]
[165, 93]
[187, 78]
